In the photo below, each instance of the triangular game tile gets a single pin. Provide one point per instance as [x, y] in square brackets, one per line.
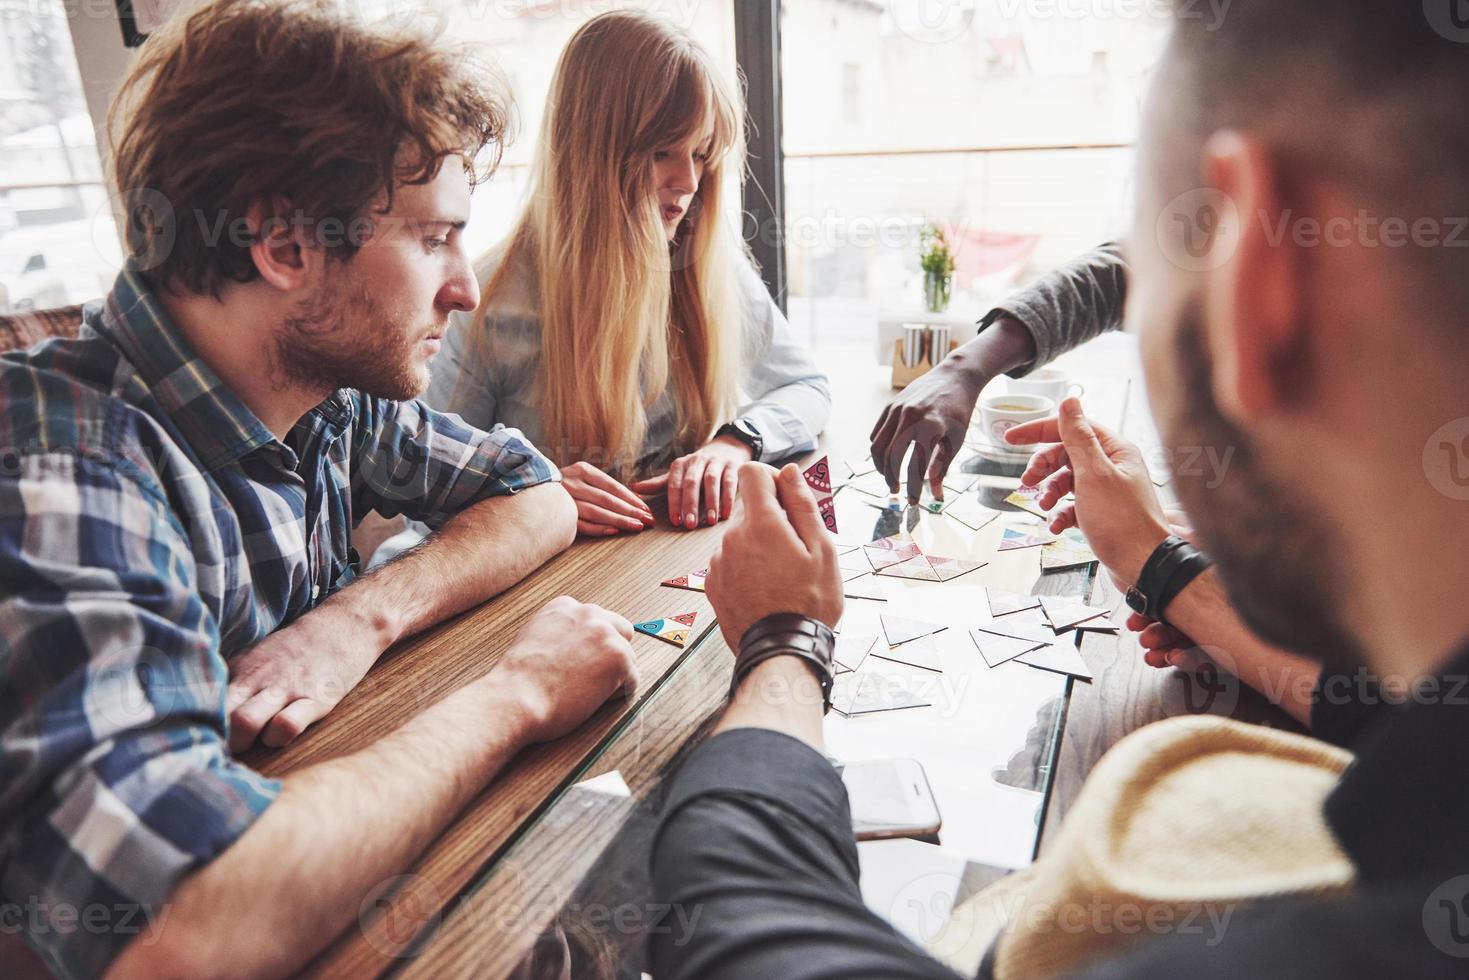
[951, 568]
[1063, 658]
[959, 482]
[922, 652]
[818, 477]
[1020, 630]
[899, 629]
[967, 510]
[1014, 539]
[1004, 603]
[864, 587]
[996, 648]
[872, 484]
[866, 692]
[1065, 554]
[693, 581]
[1107, 624]
[916, 569]
[851, 651]
[861, 466]
[882, 555]
[672, 629]
[1028, 500]
[1065, 612]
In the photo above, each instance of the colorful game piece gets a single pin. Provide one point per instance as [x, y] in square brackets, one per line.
[1062, 658]
[899, 630]
[1067, 551]
[1065, 612]
[997, 648]
[1028, 500]
[967, 510]
[951, 568]
[922, 652]
[1014, 538]
[818, 475]
[693, 581]
[851, 651]
[865, 692]
[671, 629]
[890, 551]
[916, 569]
[864, 587]
[1004, 603]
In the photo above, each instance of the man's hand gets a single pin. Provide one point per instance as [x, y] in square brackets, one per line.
[299, 673]
[776, 557]
[1115, 505]
[603, 505]
[569, 658]
[713, 470]
[932, 414]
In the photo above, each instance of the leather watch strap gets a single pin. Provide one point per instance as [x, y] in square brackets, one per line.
[788, 635]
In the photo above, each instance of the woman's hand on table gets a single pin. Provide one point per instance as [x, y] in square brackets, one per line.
[776, 557]
[711, 473]
[603, 505]
[1115, 506]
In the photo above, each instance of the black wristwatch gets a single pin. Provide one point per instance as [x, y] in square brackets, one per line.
[1167, 572]
[744, 431]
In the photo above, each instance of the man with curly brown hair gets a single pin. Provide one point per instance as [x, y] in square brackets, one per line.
[179, 483]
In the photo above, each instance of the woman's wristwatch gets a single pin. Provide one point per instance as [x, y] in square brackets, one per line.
[788, 635]
[745, 432]
[1167, 572]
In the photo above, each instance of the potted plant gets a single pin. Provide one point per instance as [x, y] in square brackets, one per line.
[937, 263]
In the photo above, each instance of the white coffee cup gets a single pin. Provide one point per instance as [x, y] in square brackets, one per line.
[1047, 382]
[999, 414]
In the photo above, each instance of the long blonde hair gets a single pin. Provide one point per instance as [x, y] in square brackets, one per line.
[624, 314]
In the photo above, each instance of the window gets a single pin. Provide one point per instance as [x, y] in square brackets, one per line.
[1010, 125]
[58, 244]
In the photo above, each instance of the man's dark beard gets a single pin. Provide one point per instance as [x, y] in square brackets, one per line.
[340, 339]
[1274, 555]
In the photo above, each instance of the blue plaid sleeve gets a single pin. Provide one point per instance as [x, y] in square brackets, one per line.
[428, 465]
[115, 777]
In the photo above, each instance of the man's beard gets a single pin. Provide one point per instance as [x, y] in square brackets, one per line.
[340, 338]
[1275, 556]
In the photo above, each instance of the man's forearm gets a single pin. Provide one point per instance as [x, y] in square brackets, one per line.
[1204, 612]
[478, 553]
[782, 695]
[296, 878]
[1002, 346]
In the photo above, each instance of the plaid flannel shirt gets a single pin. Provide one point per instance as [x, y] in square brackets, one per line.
[150, 528]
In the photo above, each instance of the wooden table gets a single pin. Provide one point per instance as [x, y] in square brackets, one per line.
[537, 863]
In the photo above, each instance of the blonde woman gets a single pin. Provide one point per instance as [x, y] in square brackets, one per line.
[622, 327]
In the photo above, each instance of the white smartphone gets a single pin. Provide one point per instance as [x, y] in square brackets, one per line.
[890, 798]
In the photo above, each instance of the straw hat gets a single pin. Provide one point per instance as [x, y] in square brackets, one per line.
[1178, 828]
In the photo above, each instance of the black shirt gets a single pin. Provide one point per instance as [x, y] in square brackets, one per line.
[756, 835]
